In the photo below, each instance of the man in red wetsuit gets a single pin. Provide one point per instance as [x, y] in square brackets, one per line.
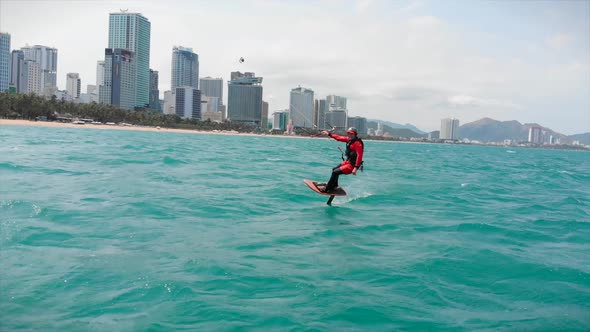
[354, 157]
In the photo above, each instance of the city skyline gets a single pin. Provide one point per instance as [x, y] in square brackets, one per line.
[406, 62]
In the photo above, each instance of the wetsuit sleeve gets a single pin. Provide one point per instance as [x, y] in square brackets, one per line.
[339, 138]
[358, 148]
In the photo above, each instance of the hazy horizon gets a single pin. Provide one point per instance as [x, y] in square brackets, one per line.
[404, 61]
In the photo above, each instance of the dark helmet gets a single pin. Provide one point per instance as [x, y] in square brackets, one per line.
[352, 130]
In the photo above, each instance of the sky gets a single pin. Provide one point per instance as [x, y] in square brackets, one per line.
[405, 61]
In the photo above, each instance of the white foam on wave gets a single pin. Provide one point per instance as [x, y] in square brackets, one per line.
[510, 151]
[352, 197]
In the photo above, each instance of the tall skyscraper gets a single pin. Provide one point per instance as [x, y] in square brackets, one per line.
[236, 74]
[119, 78]
[154, 91]
[212, 87]
[264, 117]
[244, 99]
[321, 114]
[536, 135]
[337, 118]
[336, 101]
[99, 73]
[185, 68]
[449, 129]
[73, 85]
[131, 32]
[280, 120]
[301, 107]
[17, 74]
[188, 102]
[211, 102]
[169, 103]
[4, 61]
[359, 123]
[46, 58]
[31, 78]
[92, 93]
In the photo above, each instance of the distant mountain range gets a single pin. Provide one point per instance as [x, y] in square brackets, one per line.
[490, 130]
[395, 132]
[583, 138]
[484, 130]
[394, 125]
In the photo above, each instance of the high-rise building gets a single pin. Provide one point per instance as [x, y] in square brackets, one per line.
[212, 87]
[92, 92]
[359, 123]
[131, 32]
[188, 102]
[379, 131]
[337, 119]
[169, 103]
[264, 116]
[99, 73]
[46, 58]
[301, 107]
[119, 79]
[536, 135]
[73, 85]
[154, 91]
[185, 68]
[4, 61]
[17, 74]
[336, 101]
[320, 116]
[31, 78]
[449, 129]
[212, 104]
[280, 119]
[236, 74]
[244, 100]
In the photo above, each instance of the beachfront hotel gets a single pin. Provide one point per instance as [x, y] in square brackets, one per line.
[188, 102]
[73, 85]
[244, 99]
[449, 129]
[301, 107]
[4, 61]
[154, 103]
[212, 87]
[46, 59]
[119, 79]
[17, 75]
[185, 68]
[131, 32]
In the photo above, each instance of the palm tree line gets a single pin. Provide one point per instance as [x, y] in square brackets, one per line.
[32, 107]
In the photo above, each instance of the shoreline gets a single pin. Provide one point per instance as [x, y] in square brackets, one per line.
[53, 124]
[10, 122]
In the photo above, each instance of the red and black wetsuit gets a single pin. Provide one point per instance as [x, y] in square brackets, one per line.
[354, 158]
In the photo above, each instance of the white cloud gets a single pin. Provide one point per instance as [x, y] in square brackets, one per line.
[362, 5]
[560, 40]
[396, 61]
[470, 101]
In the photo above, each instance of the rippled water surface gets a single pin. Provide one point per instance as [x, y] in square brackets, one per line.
[105, 230]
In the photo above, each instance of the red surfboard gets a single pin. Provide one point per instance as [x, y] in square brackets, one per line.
[318, 186]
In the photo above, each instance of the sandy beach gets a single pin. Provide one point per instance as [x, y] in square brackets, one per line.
[119, 127]
[7, 122]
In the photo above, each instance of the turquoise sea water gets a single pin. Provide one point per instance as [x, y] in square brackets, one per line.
[107, 230]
